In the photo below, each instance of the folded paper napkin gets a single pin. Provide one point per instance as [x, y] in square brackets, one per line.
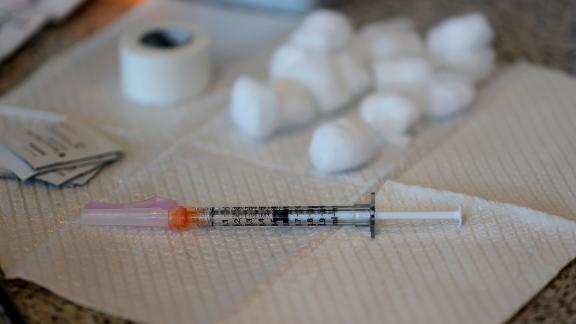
[412, 272]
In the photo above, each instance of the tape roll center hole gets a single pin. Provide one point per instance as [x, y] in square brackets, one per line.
[166, 38]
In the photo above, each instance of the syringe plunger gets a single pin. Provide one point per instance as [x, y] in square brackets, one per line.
[422, 215]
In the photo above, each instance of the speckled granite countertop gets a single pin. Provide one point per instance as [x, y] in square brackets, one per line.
[543, 32]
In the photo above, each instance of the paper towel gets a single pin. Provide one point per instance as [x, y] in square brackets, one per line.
[83, 83]
[518, 147]
[288, 151]
[421, 272]
[483, 271]
[166, 276]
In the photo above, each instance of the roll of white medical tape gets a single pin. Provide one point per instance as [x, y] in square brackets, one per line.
[164, 64]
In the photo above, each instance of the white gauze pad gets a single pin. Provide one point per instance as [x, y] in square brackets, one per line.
[389, 113]
[408, 74]
[342, 145]
[461, 33]
[253, 108]
[449, 94]
[317, 71]
[323, 30]
[295, 103]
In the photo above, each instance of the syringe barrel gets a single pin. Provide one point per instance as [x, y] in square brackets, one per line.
[161, 212]
[290, 216]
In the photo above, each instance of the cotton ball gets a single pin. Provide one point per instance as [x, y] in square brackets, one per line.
[259, 109]
[397, 44]
[369, 32]
[317, 71]
[287, 58]
[342, 145]
[323, 30]
[449, 94]
[389, 113]
[477, 64]
[359, 48]
[374, 30]
[409, 74]
[461, 33]
[353, 74]
[253, 108]
[296, 106]
[462, 44]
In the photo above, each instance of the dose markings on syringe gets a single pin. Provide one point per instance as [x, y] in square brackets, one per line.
[273, 216]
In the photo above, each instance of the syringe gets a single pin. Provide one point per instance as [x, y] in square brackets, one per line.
[160, 212]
